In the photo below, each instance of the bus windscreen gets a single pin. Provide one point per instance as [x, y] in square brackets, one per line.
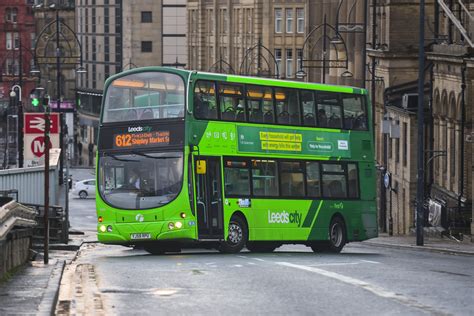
[144, 96]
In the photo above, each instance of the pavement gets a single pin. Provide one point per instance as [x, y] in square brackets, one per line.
[34, 288]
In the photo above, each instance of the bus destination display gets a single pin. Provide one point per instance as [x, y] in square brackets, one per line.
[132, 140]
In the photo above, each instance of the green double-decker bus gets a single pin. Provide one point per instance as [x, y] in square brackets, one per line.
[224, 161]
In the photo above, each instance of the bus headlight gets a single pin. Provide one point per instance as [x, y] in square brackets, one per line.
[109, 228]
[102, 228]
[178, 225]
[170, 225]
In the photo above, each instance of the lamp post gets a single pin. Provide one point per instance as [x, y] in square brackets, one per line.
[256, 53]
[19, 111]
[58, 31]
[420, 192]
[324, 42]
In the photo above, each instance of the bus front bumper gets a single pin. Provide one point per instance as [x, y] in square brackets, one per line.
[126, 233]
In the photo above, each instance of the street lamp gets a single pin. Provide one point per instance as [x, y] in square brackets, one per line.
[50, 37]
[325, 42]
[255, 53]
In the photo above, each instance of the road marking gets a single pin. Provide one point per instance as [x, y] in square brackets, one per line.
[238, 265]
[333, 264]
[244, 257]
[251, 263]
[370, 261]
[365, 285]
[258, 259]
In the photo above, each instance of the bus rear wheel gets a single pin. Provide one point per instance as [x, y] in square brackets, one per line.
[337, 235]
[261, 246]
[237, 237]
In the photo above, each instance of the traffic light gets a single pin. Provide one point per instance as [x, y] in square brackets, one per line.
[35, 101]
[46, 101]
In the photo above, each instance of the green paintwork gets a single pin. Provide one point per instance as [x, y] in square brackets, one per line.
[307, 219]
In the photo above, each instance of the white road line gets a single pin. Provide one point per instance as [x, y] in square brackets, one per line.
[251, 263]
[258, 259]
[244, 257]
[333, 264]
[238, 265]
[366, 286]
[369, 261]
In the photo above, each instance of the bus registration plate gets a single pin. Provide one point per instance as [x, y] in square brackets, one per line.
[140, 236]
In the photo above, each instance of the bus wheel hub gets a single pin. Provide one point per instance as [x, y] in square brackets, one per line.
[235, 233]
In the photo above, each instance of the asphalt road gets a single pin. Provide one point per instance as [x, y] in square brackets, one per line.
[292, 280]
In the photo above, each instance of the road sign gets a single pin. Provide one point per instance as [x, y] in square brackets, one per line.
[38, 146]
[34, 123]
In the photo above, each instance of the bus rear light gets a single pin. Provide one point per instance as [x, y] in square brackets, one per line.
[183, 215]
[100, 219]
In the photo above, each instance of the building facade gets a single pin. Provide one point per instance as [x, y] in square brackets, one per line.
[296, 40]
[17, 37]
[119, 35]
[448, 117]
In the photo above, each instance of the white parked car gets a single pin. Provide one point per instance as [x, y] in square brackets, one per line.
[84, 189]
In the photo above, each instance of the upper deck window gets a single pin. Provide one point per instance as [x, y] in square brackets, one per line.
[144, 96]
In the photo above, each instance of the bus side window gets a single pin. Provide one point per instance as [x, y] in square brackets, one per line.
[287, 106]
[355, 116]
[353, 180]
[309, 108]
[231, 102]
[264, 178]
[205, 100]
[313, 179]
[259, 104]
[334, 181]
[329, 110]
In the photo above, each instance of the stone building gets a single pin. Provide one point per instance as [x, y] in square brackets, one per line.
[279, 39]
[119, 35]
[448, 81]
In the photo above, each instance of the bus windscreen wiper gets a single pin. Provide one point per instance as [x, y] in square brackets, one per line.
[152, 157]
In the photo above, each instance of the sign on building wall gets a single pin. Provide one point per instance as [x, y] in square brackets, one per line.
[34, 141]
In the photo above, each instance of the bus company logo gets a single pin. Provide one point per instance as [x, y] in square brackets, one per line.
[338, 206]
[138, 129]
[139, 218]
[284, 217]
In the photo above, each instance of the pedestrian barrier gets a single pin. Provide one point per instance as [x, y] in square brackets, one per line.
[58, 232]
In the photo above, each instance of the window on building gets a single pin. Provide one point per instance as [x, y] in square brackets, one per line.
[289, 20]
[278, 60]
[300, 20]
[405, 144]
[249, 21]
[287, 108]
[147, 17]
[452, 148]
[292, 179]
[278, 20]
[289, 63]
[11, 15]
[397, 149]
[236, 178]
[33, 40]
[299, 56]
[264, 177]
[225, 21]
[12, 66]
[147, 47]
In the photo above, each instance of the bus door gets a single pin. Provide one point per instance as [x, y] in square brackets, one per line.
[209, 197]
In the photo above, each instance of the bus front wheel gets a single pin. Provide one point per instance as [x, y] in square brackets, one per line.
[237, 237]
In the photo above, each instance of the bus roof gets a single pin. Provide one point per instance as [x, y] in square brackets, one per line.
[249, 80]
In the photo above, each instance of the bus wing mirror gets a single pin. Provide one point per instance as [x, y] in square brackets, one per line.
[200, 166]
